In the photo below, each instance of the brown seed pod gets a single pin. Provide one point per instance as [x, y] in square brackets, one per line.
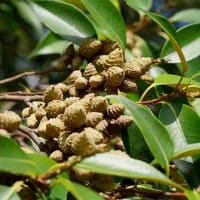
[32, 121]
[122, 121]
[76, 62]
[90, 70]
[99, 62]
[69, 142]
[115, 110]
[62, 141]
[57, 155]
[50, 128]
[40, 113]
[115, 58]
[89, 95]
[115, 76]
[109, 46]
[102, 126]
[63, 87]
[83, 145]
[9, 121]
[74, 75]
[52, 93]
[55, 108]
[99, 104]
[90, 47]
[145, 62]
[132, 69]
[80, 83]
[73, 92]
[96, 81]
[75, 115]
[93, 118]
[94, 134]
[129, 86]
[70, 100]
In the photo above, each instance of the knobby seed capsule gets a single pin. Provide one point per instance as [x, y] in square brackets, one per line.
[74, 75]
[90, 70]
[115, 110]
[55, 108]
[80, 83]
[40, 113]
[99, 104]
[90, 47]
[32, 121]
[109, 46]
[95, 81]
[129, 86]
[94, 134]
[73, 92]
[52, 93]
[132, 70]
[70, 100]
[63, 87]
[102, 126]
[57, 155]
[93, 118]
[122, 121]
[99, 62]
[62, 141]
[9, 121]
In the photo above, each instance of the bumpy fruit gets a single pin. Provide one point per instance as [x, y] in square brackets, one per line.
[32, 121]
[129, 86]
[81, 83]
[90, 70]
[94, 134]
[74, 75]
[9, 121]
[99, 104]
[70, 100]
[62, 141]
[55, 108]
[52, 93]
[102, 126]
[95, 81]
[115, 110]
[122, 121]
[132, 70]
[93, 118]
[63, 87]
[99, 62]
[57, 155]
[73, 92]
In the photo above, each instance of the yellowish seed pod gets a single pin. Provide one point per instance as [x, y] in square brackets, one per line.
[51, 128]
[69, 142]
[89, 95]
[62, 141]
[83, 145]
[94, 134]
[115, 76]
[63, 87]
[115, 110]
[74, 75]
[70, 100]
[26, 112]
[80, 83]
[102, 126]
[54, 108]
[109, 46]
[99, 62]
[32, 121]
[132, 69]
[123, 121]
[96, 81]
[103, 182]
[115, 58]
[57, 155]
[90, 70]
[86, 103]
[90, 47]
[40, 113]
[52, 93]
[75, 115]
[145, 62]
[93, 118]
[129, 86]
[73, 92]
[9, 121]
[99, 104]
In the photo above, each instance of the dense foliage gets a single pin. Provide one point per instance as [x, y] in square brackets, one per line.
[131, 68]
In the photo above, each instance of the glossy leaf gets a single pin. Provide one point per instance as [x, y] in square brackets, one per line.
[190, 45]
[122, 166]
[166, 26]
[188, 15]
[142, 4]
[108, 18]
[192, 195]
[188, 150]
[182, 122]
[80, 192]
[13, 159]
[64, 19]
[154, 133]
[50, 44]
[6, 193]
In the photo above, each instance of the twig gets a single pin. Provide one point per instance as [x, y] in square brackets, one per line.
[29, 73]
[21, 93]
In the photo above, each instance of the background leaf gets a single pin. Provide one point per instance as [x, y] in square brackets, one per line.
[154, 133]
[108, 19]
[50, 44]
[7, 194]
[64, 19]
[190, 45]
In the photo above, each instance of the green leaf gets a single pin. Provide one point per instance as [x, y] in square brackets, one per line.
[190, 45]
[50, 44]
[187, 150]
[142, 4]
[192, 195]
[64, 19]
[166, 26]
[108, 19]
[188, 15]
[122, 166]
[7, 193]
[80, 192]
[28, 14]
[154, 133]
[14, 160]
[182, 122]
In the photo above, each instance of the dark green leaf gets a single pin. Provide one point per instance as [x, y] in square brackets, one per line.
[7, 193]
[117, 165]
[187, 15]
[64, 19]
[50, 44]
[108, 18]
[80, 192]
[13, 159]
[154, 133]
[190, 45]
